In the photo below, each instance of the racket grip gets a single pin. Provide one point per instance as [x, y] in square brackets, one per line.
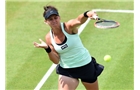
[98, 18]
[95, 17]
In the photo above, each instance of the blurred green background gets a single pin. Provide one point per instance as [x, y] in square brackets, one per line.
[26, 65]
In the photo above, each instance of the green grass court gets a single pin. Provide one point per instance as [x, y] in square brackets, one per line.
[26, 65]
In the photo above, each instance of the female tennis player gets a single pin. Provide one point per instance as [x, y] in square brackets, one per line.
[64, 48]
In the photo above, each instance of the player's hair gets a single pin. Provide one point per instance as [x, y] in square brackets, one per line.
[47, 8]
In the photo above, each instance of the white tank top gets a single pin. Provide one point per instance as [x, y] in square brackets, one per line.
[72, 53]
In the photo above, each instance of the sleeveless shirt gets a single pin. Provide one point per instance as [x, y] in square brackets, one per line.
[72, 53]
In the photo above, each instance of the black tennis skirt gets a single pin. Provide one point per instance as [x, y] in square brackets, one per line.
[87, 73]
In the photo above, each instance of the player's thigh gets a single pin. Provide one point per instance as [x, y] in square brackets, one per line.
[67, 83]
[91, 86]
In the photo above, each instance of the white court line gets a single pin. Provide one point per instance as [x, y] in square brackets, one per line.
[81, 28]
[116, 11]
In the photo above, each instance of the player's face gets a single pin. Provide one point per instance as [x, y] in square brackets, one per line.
[53, 20]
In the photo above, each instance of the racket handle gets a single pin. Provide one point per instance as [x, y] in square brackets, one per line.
[95, 17]
[98, 18]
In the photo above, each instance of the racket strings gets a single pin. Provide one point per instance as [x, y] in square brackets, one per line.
[106, 24]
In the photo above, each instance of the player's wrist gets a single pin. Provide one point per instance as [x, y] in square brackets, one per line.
[48, 50]
[85, 14]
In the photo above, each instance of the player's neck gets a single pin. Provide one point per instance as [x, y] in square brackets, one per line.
[57, 32]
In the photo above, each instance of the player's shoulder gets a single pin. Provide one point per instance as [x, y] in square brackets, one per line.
[47, 35]
[48, 38]
[69, 23]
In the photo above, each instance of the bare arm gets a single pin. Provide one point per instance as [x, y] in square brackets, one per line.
[74, 23]
[53, 56]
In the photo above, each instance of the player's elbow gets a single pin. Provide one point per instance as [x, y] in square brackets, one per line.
[55, 61]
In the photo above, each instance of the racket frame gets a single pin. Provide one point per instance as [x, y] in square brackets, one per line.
[106, 27]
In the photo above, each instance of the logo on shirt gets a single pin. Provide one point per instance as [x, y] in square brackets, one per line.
[64, 46]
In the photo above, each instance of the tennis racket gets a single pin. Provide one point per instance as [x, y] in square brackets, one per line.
[106, 24]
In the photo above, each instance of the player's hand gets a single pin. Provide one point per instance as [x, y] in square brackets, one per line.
[40, 45]
[93, 15]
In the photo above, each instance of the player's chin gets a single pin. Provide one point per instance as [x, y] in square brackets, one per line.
[55, 25]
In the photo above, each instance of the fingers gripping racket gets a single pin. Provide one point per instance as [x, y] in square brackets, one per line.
[105, 24]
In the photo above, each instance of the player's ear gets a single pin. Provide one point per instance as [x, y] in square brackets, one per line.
[59, 17]
[45, 21]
